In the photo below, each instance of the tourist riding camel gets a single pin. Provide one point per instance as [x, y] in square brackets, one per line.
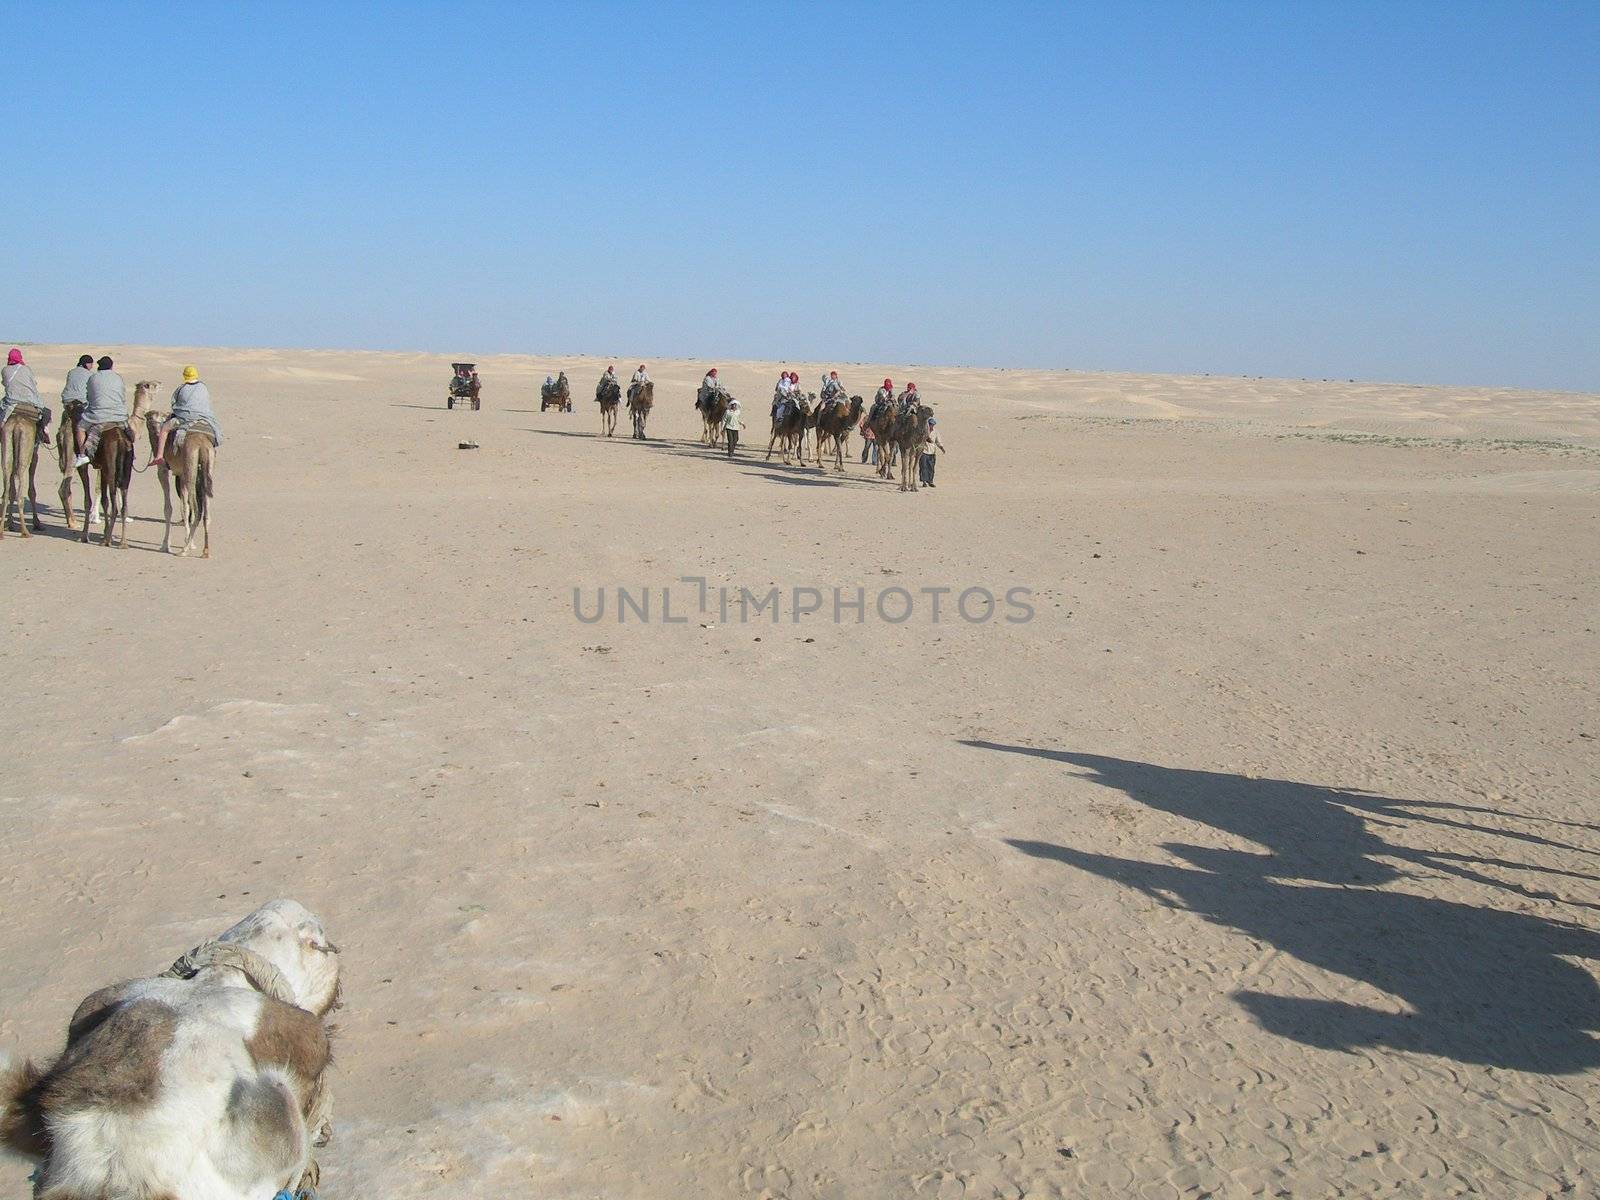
[608, 393]
[709, 386]
[789, 421]
[76, 390]
[23, 420]
[782, 394]
[907, 434]
[712, 401]
[880, 420]
[832, 391]
[191, 409]
[22, 388]
[641, 398]
[833, 424]
[106, 444]
[105, 408]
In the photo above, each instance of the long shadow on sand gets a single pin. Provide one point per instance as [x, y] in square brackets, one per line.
[772, 470]
[1483, 985]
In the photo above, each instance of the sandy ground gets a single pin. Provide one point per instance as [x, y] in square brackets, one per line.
[1261, 861]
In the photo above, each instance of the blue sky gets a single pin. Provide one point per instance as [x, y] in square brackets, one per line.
[1386, 191]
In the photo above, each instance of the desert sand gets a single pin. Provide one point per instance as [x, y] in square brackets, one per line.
[1261, 861]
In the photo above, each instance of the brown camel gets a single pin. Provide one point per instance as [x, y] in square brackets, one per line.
[641, 399]
[188, 468]
[713, 407]
[608, 393]
[834, 425]
[113, 466]
[880, 419]
[789, 430]
[910, 431]
[19, 453]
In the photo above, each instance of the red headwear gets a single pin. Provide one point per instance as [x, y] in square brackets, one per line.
[14, 358]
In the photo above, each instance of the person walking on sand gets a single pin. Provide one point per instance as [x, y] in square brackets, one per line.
[932, 446]
[869, 443]
[191, 408]
[22, 388]
[105, 405]
[732, 423]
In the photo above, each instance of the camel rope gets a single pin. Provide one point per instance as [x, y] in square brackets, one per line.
[263, 976]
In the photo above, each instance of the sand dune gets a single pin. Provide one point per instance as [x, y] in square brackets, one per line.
[1261, 861]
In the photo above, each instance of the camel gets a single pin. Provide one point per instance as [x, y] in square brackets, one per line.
[909, 432]
[208, 1080]
[19, 453]
[880, 419]
[641, 398]
[713, 408]
[834, 426]
[113, 463]
[789, 430]
[188, 468]
[67, 449]
[608, 392]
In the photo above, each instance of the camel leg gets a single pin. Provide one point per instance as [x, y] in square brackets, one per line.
[15, 487]
[8, 486]
[166, 507]
[205, 517]
[91, 498]
[122, 494]
[33, 496]
[186, 494]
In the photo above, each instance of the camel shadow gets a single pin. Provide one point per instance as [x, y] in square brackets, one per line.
[772, 471]
[1479, 984]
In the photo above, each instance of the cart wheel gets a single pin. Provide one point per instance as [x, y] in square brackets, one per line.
[449, 401]
[476, 405]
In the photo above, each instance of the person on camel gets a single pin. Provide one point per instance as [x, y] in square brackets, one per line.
[640, 377]
[191, 409]
[709, 386]
[882, 399]
[105, 406]
[784, 393]
[22, 388]
[832, 391]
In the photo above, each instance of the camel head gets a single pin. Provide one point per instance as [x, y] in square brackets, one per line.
[144, 393]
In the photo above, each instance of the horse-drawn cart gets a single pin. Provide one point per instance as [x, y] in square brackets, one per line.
[556, 394]
[464, 386]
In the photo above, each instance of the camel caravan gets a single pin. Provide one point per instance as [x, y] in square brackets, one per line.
[899, 431]
[96, 435]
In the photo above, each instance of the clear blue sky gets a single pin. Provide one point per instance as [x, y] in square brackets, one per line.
[1384, 191]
